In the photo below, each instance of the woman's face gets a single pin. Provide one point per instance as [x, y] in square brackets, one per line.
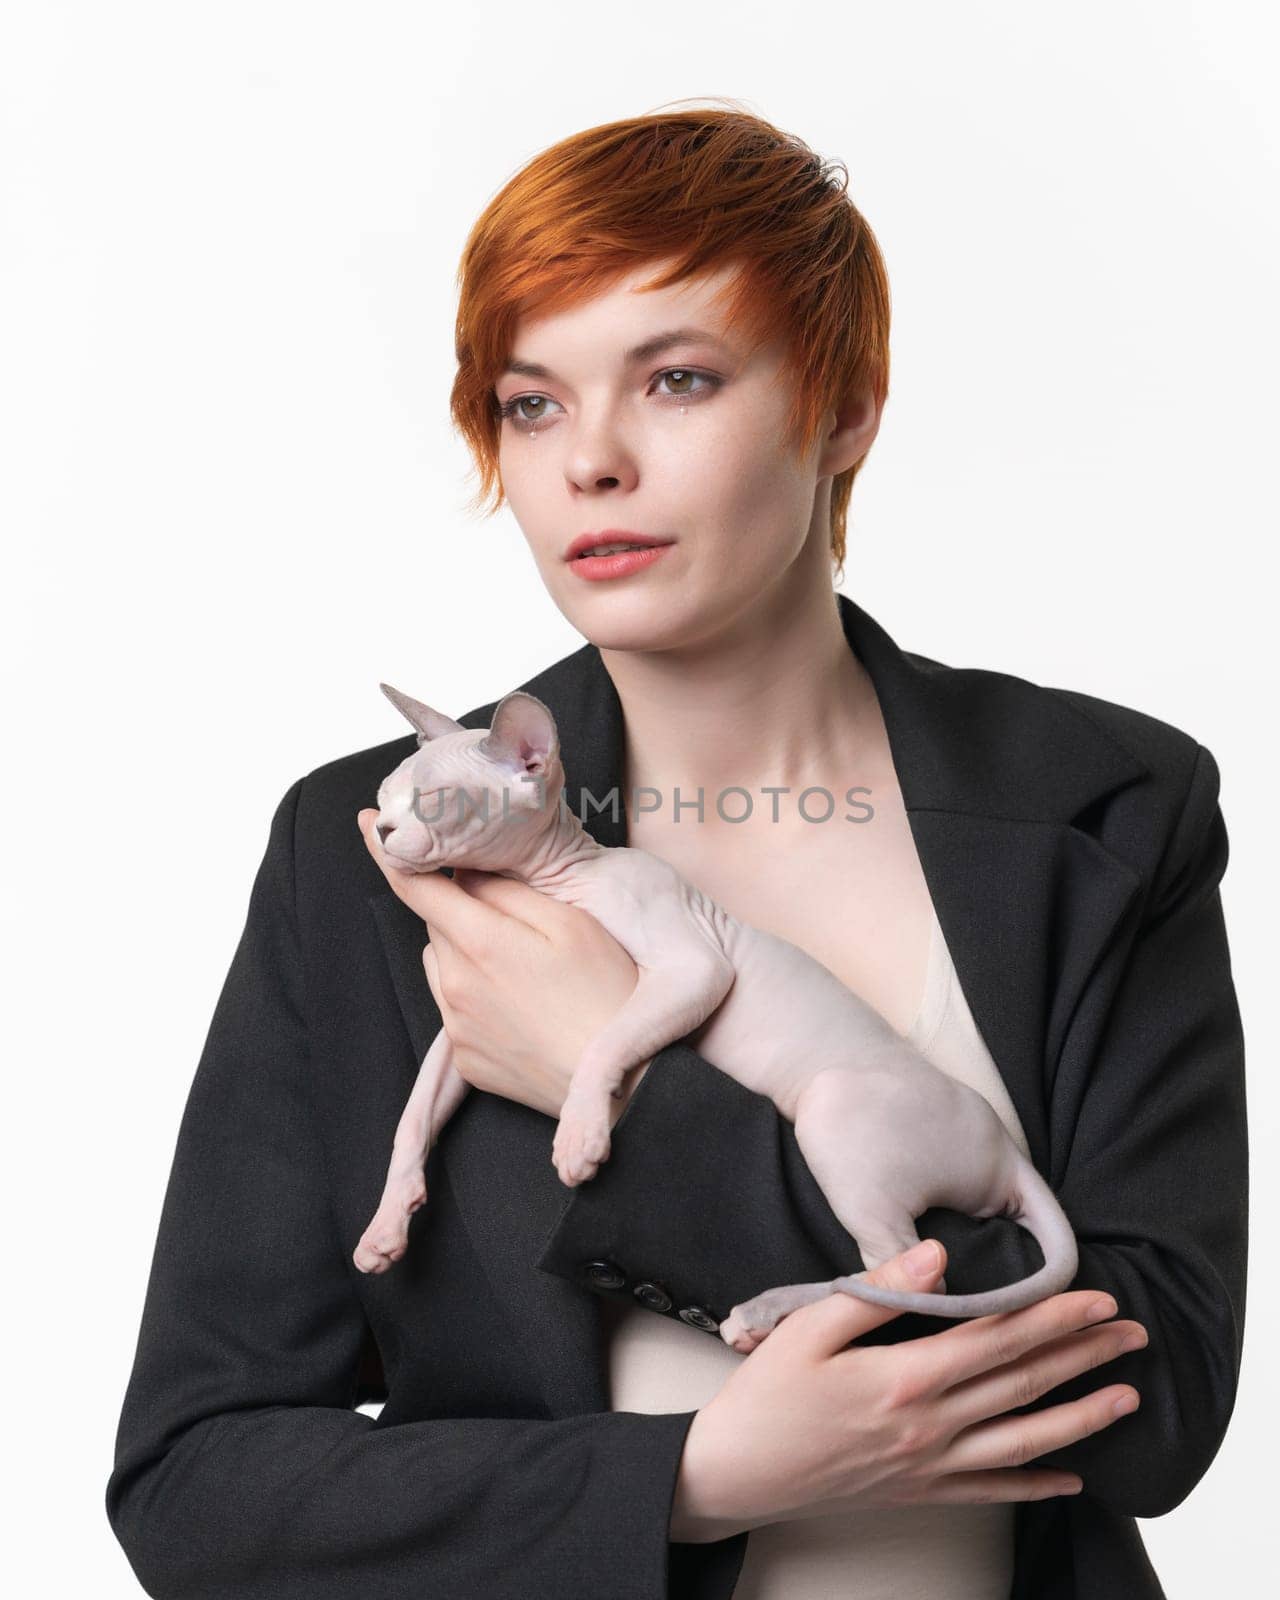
[684, 443]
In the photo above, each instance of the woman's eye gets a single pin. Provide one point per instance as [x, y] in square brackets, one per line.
[524, 419]
[680, 376]
[526, 411]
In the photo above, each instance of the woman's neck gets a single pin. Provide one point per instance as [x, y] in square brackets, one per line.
[778, 698]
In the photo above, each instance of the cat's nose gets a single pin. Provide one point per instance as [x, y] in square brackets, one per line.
[382, 829]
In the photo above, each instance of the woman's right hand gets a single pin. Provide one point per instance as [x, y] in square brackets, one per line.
[805, 1427]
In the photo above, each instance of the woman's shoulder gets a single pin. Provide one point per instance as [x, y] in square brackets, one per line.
[330, 794]
[1165, 749]
[331, 861]
[1158, 744]
[1151, 781]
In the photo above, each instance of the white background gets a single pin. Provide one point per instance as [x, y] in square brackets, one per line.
[234, 504]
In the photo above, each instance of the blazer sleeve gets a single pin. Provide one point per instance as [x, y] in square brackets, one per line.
[1155, 1186]
[241, 1467]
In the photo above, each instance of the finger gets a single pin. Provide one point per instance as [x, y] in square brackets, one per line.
[1015, 1483]
[974, 1348]
[449, 960]
[969, 1488]
[435, 898]
[511, 896]
[1010, 1440]
[828, 1325]
[993, 1393]
[431, 966]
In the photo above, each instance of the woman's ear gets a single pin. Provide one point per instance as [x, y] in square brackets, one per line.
[850, 431]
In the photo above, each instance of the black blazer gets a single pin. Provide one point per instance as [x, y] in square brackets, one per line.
[1073, 849]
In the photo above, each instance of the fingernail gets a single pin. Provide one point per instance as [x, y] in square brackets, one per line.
[922, 1260]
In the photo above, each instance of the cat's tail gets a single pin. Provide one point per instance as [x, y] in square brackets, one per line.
[1034, 1205]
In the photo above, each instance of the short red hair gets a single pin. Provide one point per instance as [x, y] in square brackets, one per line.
[707, 187]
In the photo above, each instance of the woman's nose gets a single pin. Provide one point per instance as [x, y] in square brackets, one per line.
[382, 829]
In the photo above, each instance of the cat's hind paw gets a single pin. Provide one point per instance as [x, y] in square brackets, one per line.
[744, 1328]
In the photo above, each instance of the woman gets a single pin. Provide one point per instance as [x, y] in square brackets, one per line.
[676, 326]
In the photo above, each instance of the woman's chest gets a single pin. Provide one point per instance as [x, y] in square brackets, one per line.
[850, 894]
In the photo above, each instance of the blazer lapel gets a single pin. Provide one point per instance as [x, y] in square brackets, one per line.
[998, 777]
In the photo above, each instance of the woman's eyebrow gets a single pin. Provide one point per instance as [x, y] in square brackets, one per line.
[642, 352]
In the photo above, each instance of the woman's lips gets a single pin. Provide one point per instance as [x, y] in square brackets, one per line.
[595, 568]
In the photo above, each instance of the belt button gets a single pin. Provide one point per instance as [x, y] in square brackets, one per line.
[604, 1274]
[652, 1295]
[696, 1317]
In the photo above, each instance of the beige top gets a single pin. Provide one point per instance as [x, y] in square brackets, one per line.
[928, 1552]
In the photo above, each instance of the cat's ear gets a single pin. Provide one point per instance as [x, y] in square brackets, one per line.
[428, 724]
[523, 734]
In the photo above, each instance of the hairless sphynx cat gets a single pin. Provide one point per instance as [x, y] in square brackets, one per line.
[885, 1133]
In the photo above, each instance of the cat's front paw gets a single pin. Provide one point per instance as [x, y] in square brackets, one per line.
[581, 1143]
[386, 1238]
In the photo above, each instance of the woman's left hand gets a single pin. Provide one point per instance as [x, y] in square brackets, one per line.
[523, 981]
